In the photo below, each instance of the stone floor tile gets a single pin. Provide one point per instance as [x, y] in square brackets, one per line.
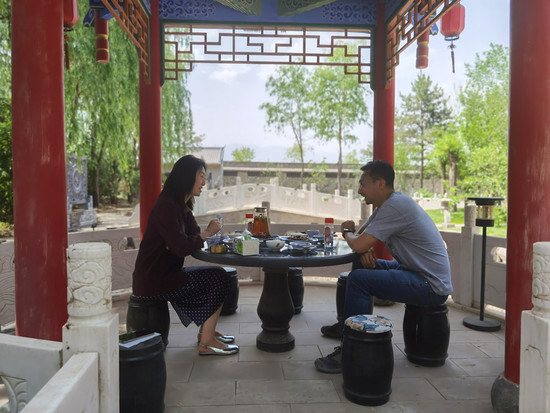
[465, 350]
[332, 408]
[233, 369]
[413, 389]
[481, 367]
[464, 388]
[250, 328]
[302, 370]
[473, 336]
[299, 353]
[254, 408]
[212, 393]
[289, 391]
[492, 349]
[403, 368]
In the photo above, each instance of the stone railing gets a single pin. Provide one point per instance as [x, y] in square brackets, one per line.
[81, 372]
[464, 253]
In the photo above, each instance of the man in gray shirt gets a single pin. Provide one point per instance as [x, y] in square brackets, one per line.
[420, 273]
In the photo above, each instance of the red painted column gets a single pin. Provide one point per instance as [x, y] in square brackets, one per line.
[40, 194]
[528, 162]
[150, 153]
[384, 107]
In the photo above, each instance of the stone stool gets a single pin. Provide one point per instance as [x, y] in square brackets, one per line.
[231, 302]
[296, 288]
[367, 359]
[149, 316]
[426, 332]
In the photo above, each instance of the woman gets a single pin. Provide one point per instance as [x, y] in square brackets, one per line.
[196, 293]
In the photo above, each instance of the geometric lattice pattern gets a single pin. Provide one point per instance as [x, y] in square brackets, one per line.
[186, 45]
[133, 18]
[413, 19]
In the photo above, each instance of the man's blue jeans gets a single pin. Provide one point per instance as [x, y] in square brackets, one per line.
[387, 281]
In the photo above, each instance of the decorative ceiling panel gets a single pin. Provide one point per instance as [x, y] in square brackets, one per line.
[187, 45]
[292, 7]
[244, 6]
[339, 13]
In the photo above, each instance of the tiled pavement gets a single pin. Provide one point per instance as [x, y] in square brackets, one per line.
[256, 381]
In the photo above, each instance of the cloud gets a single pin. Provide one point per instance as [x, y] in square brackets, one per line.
[229, 73]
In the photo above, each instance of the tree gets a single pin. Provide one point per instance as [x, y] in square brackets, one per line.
[421, 111]
[6, 160]
[102, 112]
[243, 154]
[292, 107]
[447, 154]
[484, 123]
[338, 105]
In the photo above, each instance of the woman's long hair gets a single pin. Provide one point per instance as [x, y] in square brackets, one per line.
[182, 178]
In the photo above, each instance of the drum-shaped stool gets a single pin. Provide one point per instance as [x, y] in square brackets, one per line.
[296, 288]
[148, 316]
[341, 296]
[367, 359]
[426, 333]
[231, 301]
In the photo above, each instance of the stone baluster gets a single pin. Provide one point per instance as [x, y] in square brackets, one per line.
[534, 382]
[91, 326]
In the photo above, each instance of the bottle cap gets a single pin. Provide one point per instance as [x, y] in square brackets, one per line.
[329, 220]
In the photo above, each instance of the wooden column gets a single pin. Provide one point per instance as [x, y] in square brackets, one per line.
[150, 153]
[528, 162]
[39, 180]
[384, 106]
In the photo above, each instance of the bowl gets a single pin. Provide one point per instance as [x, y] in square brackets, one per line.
[213, 240]
[275, 244]
[300, 245]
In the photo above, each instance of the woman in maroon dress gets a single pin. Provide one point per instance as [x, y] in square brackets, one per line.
[196, 293]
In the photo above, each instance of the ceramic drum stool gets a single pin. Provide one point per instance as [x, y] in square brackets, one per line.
[367, 359]
[231, 302]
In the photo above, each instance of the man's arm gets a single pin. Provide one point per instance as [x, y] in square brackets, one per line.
[360, 243]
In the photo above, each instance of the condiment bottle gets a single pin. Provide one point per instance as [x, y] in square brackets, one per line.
[249, 222]
[329, 228]
[261, 224]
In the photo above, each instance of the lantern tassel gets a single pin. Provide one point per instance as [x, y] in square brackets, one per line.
[66, 47]
[452, 47]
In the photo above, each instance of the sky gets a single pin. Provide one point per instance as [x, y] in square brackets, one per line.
[225, 98]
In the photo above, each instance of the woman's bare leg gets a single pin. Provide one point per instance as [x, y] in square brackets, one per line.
[208, 331]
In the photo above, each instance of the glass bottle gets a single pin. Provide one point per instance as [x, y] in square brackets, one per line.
[329, 229]
[249, 222]
[260, 227]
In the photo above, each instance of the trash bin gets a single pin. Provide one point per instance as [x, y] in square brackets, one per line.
[142, 374]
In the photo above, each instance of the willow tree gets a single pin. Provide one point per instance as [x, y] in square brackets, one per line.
[102, 112]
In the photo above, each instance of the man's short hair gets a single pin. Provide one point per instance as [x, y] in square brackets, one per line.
[380, 170]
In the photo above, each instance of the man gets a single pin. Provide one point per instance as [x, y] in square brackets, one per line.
[420, 273]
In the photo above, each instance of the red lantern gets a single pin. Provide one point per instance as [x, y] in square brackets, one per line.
[452, 24]
[70, 14]
[422, 50]
[101, 38]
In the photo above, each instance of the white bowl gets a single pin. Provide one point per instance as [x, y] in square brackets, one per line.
[275, 244]
[300, 245]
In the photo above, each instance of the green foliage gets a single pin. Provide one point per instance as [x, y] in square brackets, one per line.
[102, 113]
[291, 109]
[484, 123]
[318, 175]
[243, 154]
[6, 164]
[338, 106]
[423, 110]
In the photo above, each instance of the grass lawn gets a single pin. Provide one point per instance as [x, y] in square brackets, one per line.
[457, 218]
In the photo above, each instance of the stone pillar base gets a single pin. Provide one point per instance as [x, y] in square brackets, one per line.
[504, 395]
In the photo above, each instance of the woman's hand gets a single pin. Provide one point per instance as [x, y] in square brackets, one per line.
[213, 227]
[368, 259]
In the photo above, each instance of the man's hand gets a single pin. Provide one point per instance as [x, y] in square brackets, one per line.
[347, 225]
[368, 259]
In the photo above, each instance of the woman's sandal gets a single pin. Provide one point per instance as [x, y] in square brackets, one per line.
[220, 337]
[218, 351]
